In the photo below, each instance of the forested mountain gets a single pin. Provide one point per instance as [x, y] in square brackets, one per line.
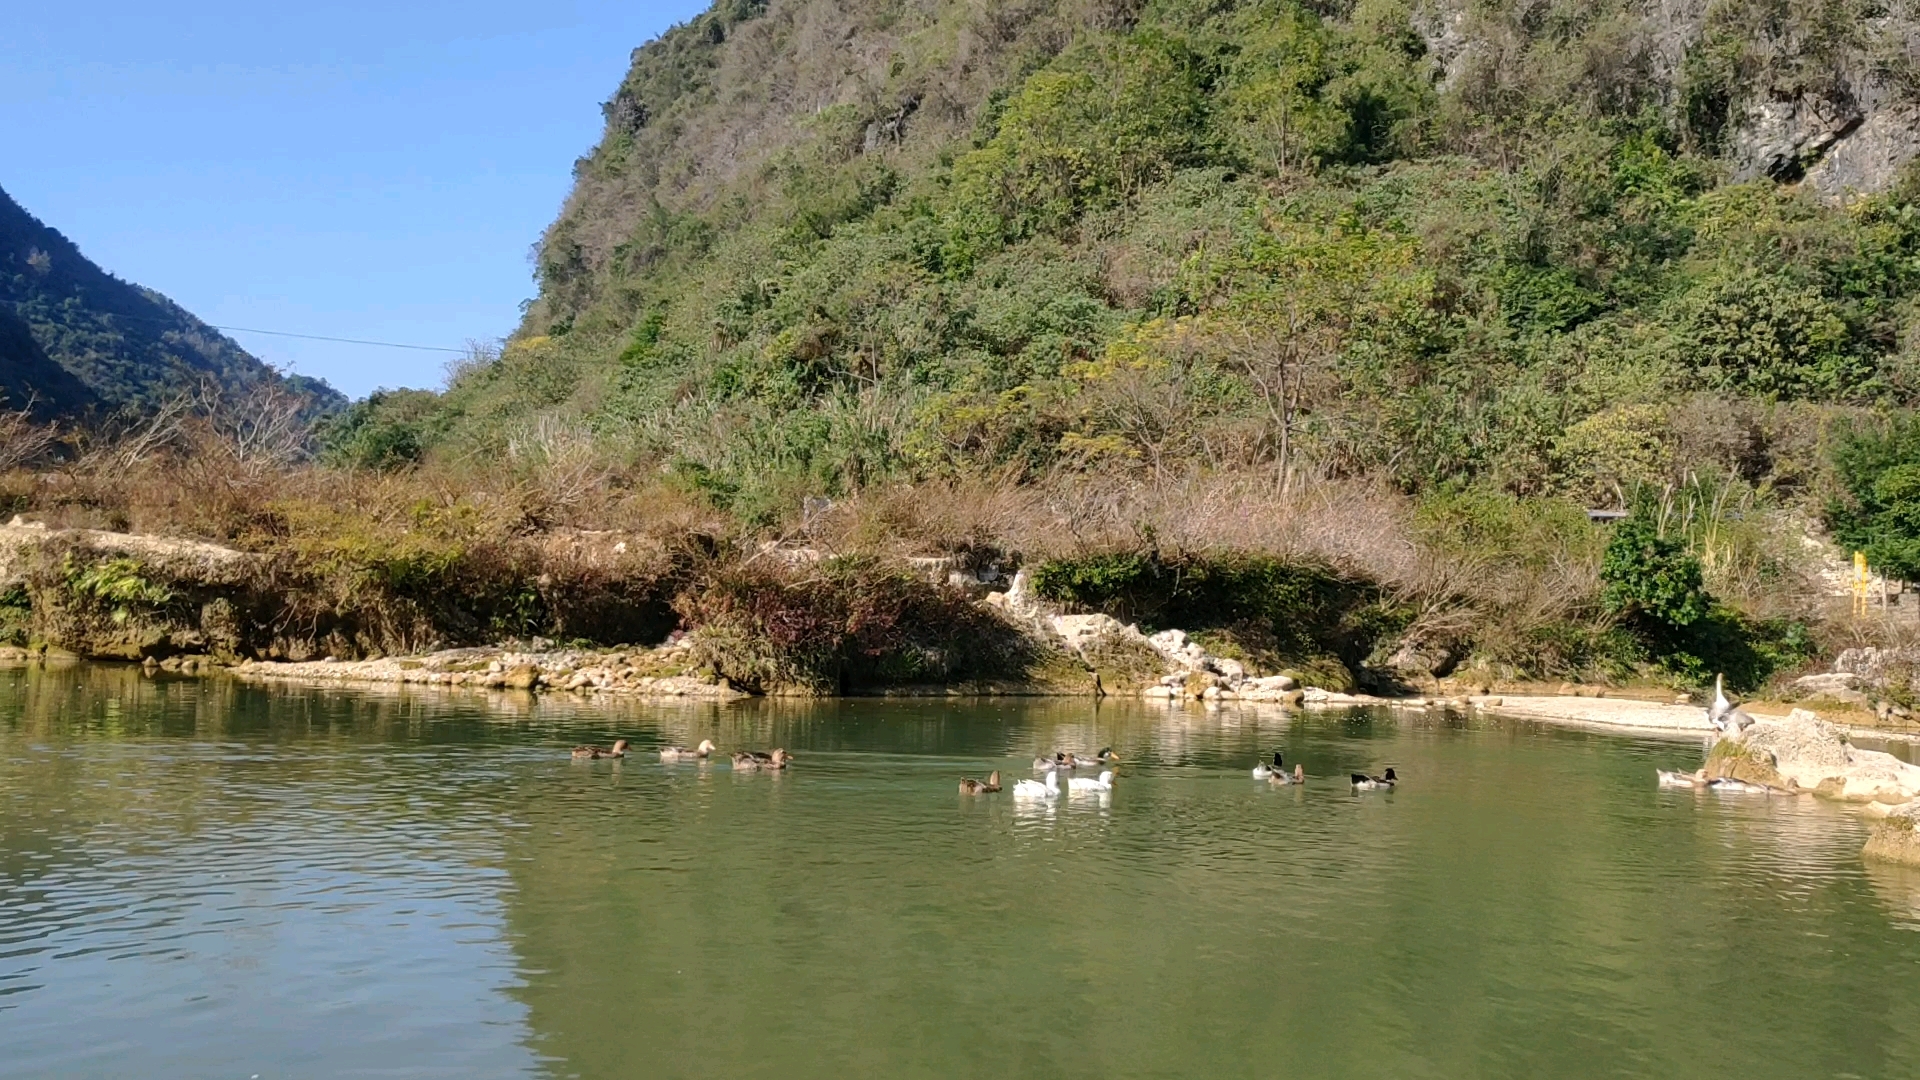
[1542, 246]
[29, 379]
[93, 340]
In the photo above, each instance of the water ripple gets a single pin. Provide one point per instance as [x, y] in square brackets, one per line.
[320, 883]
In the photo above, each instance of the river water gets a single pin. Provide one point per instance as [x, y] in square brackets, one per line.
[205, 878]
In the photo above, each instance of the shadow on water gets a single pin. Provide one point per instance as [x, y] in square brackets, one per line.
[296, 881]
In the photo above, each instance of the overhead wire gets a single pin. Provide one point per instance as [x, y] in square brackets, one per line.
[342, 340]
[284, 333]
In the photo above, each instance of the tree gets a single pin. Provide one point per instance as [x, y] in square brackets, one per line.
[1151, 397]
[1290, 303]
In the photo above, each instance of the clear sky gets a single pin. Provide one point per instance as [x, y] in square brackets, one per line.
[349, 169]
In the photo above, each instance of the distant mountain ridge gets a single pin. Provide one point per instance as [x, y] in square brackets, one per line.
[93, 341]
[30, 379]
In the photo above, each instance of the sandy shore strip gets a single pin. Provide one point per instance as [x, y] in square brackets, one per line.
[1602, 712]
[1634, 713]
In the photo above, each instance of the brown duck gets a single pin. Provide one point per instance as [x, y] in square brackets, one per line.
[970, 786]
[588, 753]
[753, 759]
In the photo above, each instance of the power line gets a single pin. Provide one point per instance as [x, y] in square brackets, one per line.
[122, 316]
[342, 340]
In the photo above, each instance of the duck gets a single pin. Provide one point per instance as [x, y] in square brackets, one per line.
[1034, 789]
[1104, 757]
[1725, 717]
[1747, 787]
[681, 753]
[1264, 770]
[970, 786]
[749, 760]
[1677, 779]
[1297, 776]
[1363, 782]
[589, 753]
[1082, 783]
[1057, 761]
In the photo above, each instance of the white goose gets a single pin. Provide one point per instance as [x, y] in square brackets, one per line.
[1081, 783]
[1725, 718]
[1034, 789]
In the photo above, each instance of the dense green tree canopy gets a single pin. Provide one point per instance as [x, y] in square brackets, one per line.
[1494, 247]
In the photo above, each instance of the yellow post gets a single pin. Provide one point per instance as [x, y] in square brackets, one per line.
[1860, 580]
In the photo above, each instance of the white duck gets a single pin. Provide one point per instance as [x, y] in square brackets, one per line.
[1263, 770]
[1034, 789]
[1680, 779]
[1081, 783]
[681, 753]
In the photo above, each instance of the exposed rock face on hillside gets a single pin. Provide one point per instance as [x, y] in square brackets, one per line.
[1819, 96]
[1853, 136]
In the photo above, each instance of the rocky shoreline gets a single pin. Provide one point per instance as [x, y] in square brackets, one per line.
[657, 672]
[1799, 754]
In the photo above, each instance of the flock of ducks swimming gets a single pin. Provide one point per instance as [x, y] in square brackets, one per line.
[1051, 767]
[745, 760]
[1722, 714]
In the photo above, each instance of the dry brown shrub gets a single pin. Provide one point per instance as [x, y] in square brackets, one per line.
[23, 441]
[968, 518]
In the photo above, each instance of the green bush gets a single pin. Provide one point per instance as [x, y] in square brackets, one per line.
[1087, 132]
[1746, 651]
[386, 430]
[121, 586]
[1654, 584]
[1773, 338]
[1282, 612]
[16, 616]
[1648, 578]
[1879, 470]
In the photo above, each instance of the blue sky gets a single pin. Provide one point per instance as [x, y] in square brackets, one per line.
[358, 170]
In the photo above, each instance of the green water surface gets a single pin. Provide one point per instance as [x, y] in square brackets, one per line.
[204, 878]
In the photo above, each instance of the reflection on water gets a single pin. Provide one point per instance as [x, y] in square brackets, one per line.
[207, 878]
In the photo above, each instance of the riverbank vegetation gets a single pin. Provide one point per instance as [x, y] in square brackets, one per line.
[1345, 582]
[1313, 328]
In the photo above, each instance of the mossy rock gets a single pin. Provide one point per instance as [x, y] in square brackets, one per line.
[1228, 643]
[653, 666]
[1325, 672]
[1056, 671]
[1123, 663]
[1734, 759]
[1894, 840]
